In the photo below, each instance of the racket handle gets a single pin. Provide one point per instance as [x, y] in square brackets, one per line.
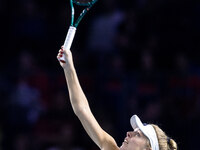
[68, 41]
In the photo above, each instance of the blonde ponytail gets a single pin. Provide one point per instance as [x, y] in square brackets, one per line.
[172, 144]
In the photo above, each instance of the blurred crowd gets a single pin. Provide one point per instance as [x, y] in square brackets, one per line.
[132, 57]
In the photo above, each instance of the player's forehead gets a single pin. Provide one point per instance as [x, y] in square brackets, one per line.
[137, 130]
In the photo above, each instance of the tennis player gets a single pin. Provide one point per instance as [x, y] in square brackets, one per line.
[143, 137]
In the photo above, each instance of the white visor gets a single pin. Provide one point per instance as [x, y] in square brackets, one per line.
[147, 130]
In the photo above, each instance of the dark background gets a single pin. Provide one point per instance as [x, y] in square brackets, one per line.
[132, 57]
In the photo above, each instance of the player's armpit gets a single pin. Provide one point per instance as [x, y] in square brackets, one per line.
[109, 143]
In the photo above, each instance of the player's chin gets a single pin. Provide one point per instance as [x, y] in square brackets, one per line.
[122, 147]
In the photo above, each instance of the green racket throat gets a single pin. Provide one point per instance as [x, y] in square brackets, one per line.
[85, 3]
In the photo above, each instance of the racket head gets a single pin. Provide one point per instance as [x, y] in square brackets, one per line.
[84, 2]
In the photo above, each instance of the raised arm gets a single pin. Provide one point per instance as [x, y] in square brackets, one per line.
[81, 107]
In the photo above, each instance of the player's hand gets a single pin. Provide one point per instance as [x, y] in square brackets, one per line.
[68, 63]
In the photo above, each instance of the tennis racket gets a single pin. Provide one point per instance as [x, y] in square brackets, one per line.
[86, 4]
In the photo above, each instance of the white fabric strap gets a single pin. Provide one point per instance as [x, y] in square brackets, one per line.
[151, 134]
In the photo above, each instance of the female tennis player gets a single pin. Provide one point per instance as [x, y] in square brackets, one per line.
[143, 137]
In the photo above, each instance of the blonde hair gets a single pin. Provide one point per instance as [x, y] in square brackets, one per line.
[165, 143]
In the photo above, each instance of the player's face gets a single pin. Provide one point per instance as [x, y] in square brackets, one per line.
[135, 140]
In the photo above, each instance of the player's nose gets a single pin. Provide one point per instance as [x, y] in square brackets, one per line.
[128, 134]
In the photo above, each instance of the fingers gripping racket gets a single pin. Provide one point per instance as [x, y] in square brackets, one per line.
[87, 4]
